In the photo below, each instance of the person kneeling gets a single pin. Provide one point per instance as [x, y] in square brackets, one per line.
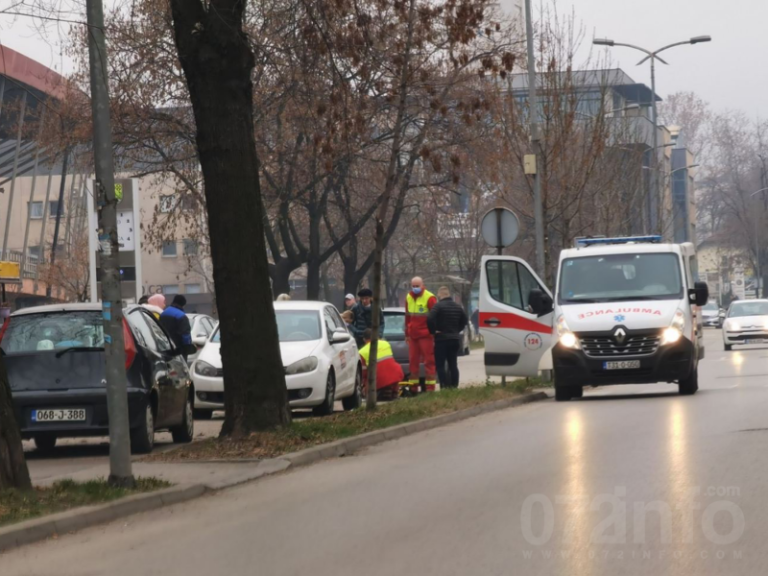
[389, 374]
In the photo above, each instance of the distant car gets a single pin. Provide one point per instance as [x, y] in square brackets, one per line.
[746, 323]
[202, 328]
[55, 360]
[320, 356]
[394, 333]
[712, 315]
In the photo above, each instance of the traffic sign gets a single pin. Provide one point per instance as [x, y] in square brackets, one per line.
[500, 228]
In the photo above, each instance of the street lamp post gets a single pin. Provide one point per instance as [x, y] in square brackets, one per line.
[758, 272]
[653, 56]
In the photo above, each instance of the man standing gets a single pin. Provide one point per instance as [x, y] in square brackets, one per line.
[421, 345]
[363, 316]
[349, 301]
[446, 321]
[176, 323]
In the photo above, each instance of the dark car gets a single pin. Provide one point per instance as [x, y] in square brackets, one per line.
[394, 333]
[55, 361]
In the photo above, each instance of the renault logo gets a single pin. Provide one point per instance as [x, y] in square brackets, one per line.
[619, 335]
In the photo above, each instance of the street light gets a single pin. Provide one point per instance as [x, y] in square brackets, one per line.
[757, 246]
[653, 56]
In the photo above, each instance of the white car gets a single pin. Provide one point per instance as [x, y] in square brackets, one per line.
[746, 323]
[321, 361]
[202, 327]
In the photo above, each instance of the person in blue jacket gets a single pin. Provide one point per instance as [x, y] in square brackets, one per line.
[176, 323]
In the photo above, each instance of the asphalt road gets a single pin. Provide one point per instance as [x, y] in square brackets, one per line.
[629, 480]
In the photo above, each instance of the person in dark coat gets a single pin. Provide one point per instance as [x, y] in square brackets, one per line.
[176, 324]
[446, 321]
[363, 317]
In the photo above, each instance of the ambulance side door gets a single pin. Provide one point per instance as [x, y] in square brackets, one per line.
[515, 337]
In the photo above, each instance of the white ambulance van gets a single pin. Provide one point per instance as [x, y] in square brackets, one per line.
[625, 311]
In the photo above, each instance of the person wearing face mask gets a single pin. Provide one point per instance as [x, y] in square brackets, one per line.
[363, 316]
[421, 343]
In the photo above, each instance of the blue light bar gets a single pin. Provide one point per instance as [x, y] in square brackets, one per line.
[620, 240]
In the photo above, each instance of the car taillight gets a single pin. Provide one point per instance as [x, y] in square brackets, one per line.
[4, 328]
[130, 345]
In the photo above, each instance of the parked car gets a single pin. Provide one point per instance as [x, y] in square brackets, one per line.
[712, 315]
[746, 323]
[54, 356]
[202, 327]
[319, 354]
[394, 333]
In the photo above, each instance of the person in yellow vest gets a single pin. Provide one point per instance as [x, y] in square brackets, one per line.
[421, 343]
[388, 371]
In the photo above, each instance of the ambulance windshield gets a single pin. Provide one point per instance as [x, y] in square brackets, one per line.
[620, 277]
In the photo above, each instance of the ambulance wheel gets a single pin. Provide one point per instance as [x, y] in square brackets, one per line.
[577, 392]
[689, 385]
[728, 347]
[563, 393]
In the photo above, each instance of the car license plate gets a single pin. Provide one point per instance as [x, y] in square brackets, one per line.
[59, 415]
[621, 365]
[755, 341]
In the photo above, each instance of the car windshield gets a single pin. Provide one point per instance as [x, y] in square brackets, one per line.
[741, 309]
[394, 325]
[298, 325]
[54, 331]
[711, 307]
[617, 277]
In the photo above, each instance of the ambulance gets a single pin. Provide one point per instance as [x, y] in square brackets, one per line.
[624, 311]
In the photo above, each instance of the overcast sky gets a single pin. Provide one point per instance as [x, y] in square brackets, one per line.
[730, 72]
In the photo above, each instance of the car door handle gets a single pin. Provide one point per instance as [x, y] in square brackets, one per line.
[492, 322]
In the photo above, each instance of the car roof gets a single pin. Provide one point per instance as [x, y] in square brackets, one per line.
[63, 307]
[301, 305]
[627, 248]
[762, 300]
[394, 310]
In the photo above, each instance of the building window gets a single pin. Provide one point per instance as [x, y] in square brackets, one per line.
[53, 207]
[169, 249]
[170, 289]
[34, 252]
[190, 247]
[192, 288]
[167, 203]
[35, 210]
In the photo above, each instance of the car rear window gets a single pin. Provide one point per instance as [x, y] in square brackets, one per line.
[394, 324]
[41, 332]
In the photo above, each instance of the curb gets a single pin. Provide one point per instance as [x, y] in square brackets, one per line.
[38, 529]
[63, 522]
[355, 443]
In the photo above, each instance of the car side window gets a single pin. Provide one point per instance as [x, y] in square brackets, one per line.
[163, 342]
[504, 282]
[208, 323]
[330, 324]
[142, 331]
[338, 320]
[527, 283]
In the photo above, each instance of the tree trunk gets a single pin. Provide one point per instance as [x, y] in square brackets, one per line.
[313, 279]
[13, 466]
[217, 62]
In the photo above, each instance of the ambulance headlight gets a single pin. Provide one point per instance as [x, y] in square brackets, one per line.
[675, 330]
[567, 338]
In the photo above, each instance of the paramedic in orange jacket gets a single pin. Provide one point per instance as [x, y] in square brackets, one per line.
[421, 345]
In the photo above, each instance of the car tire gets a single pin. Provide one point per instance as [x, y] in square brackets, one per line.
[184, 433]
[45, 442]
[326, 408]
[143, 436]
[690, 385]
[563, 393]
[356, 399]
[202, 414]
[728, 347]
[577, 392]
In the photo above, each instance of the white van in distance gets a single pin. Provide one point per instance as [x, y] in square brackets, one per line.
[625, 311]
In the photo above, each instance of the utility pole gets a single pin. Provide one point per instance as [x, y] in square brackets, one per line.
[120, 472]
[533, 111]
[59, 205]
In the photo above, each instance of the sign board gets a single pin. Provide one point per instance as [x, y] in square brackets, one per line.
[529, 164]
[128, 237]
[10, 273]
[500, 227]
[738, 285]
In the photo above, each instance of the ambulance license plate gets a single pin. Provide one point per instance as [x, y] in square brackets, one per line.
[755, 341]
[622, 365]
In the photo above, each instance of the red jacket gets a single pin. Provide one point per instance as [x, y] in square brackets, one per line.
[416, 311]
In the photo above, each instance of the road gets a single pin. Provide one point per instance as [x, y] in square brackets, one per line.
[629, 480]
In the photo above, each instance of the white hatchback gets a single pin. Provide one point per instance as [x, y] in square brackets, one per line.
[746, 323]
[321, 361]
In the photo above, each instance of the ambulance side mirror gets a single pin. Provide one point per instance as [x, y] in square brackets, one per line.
[539, 302]
[699, 294]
